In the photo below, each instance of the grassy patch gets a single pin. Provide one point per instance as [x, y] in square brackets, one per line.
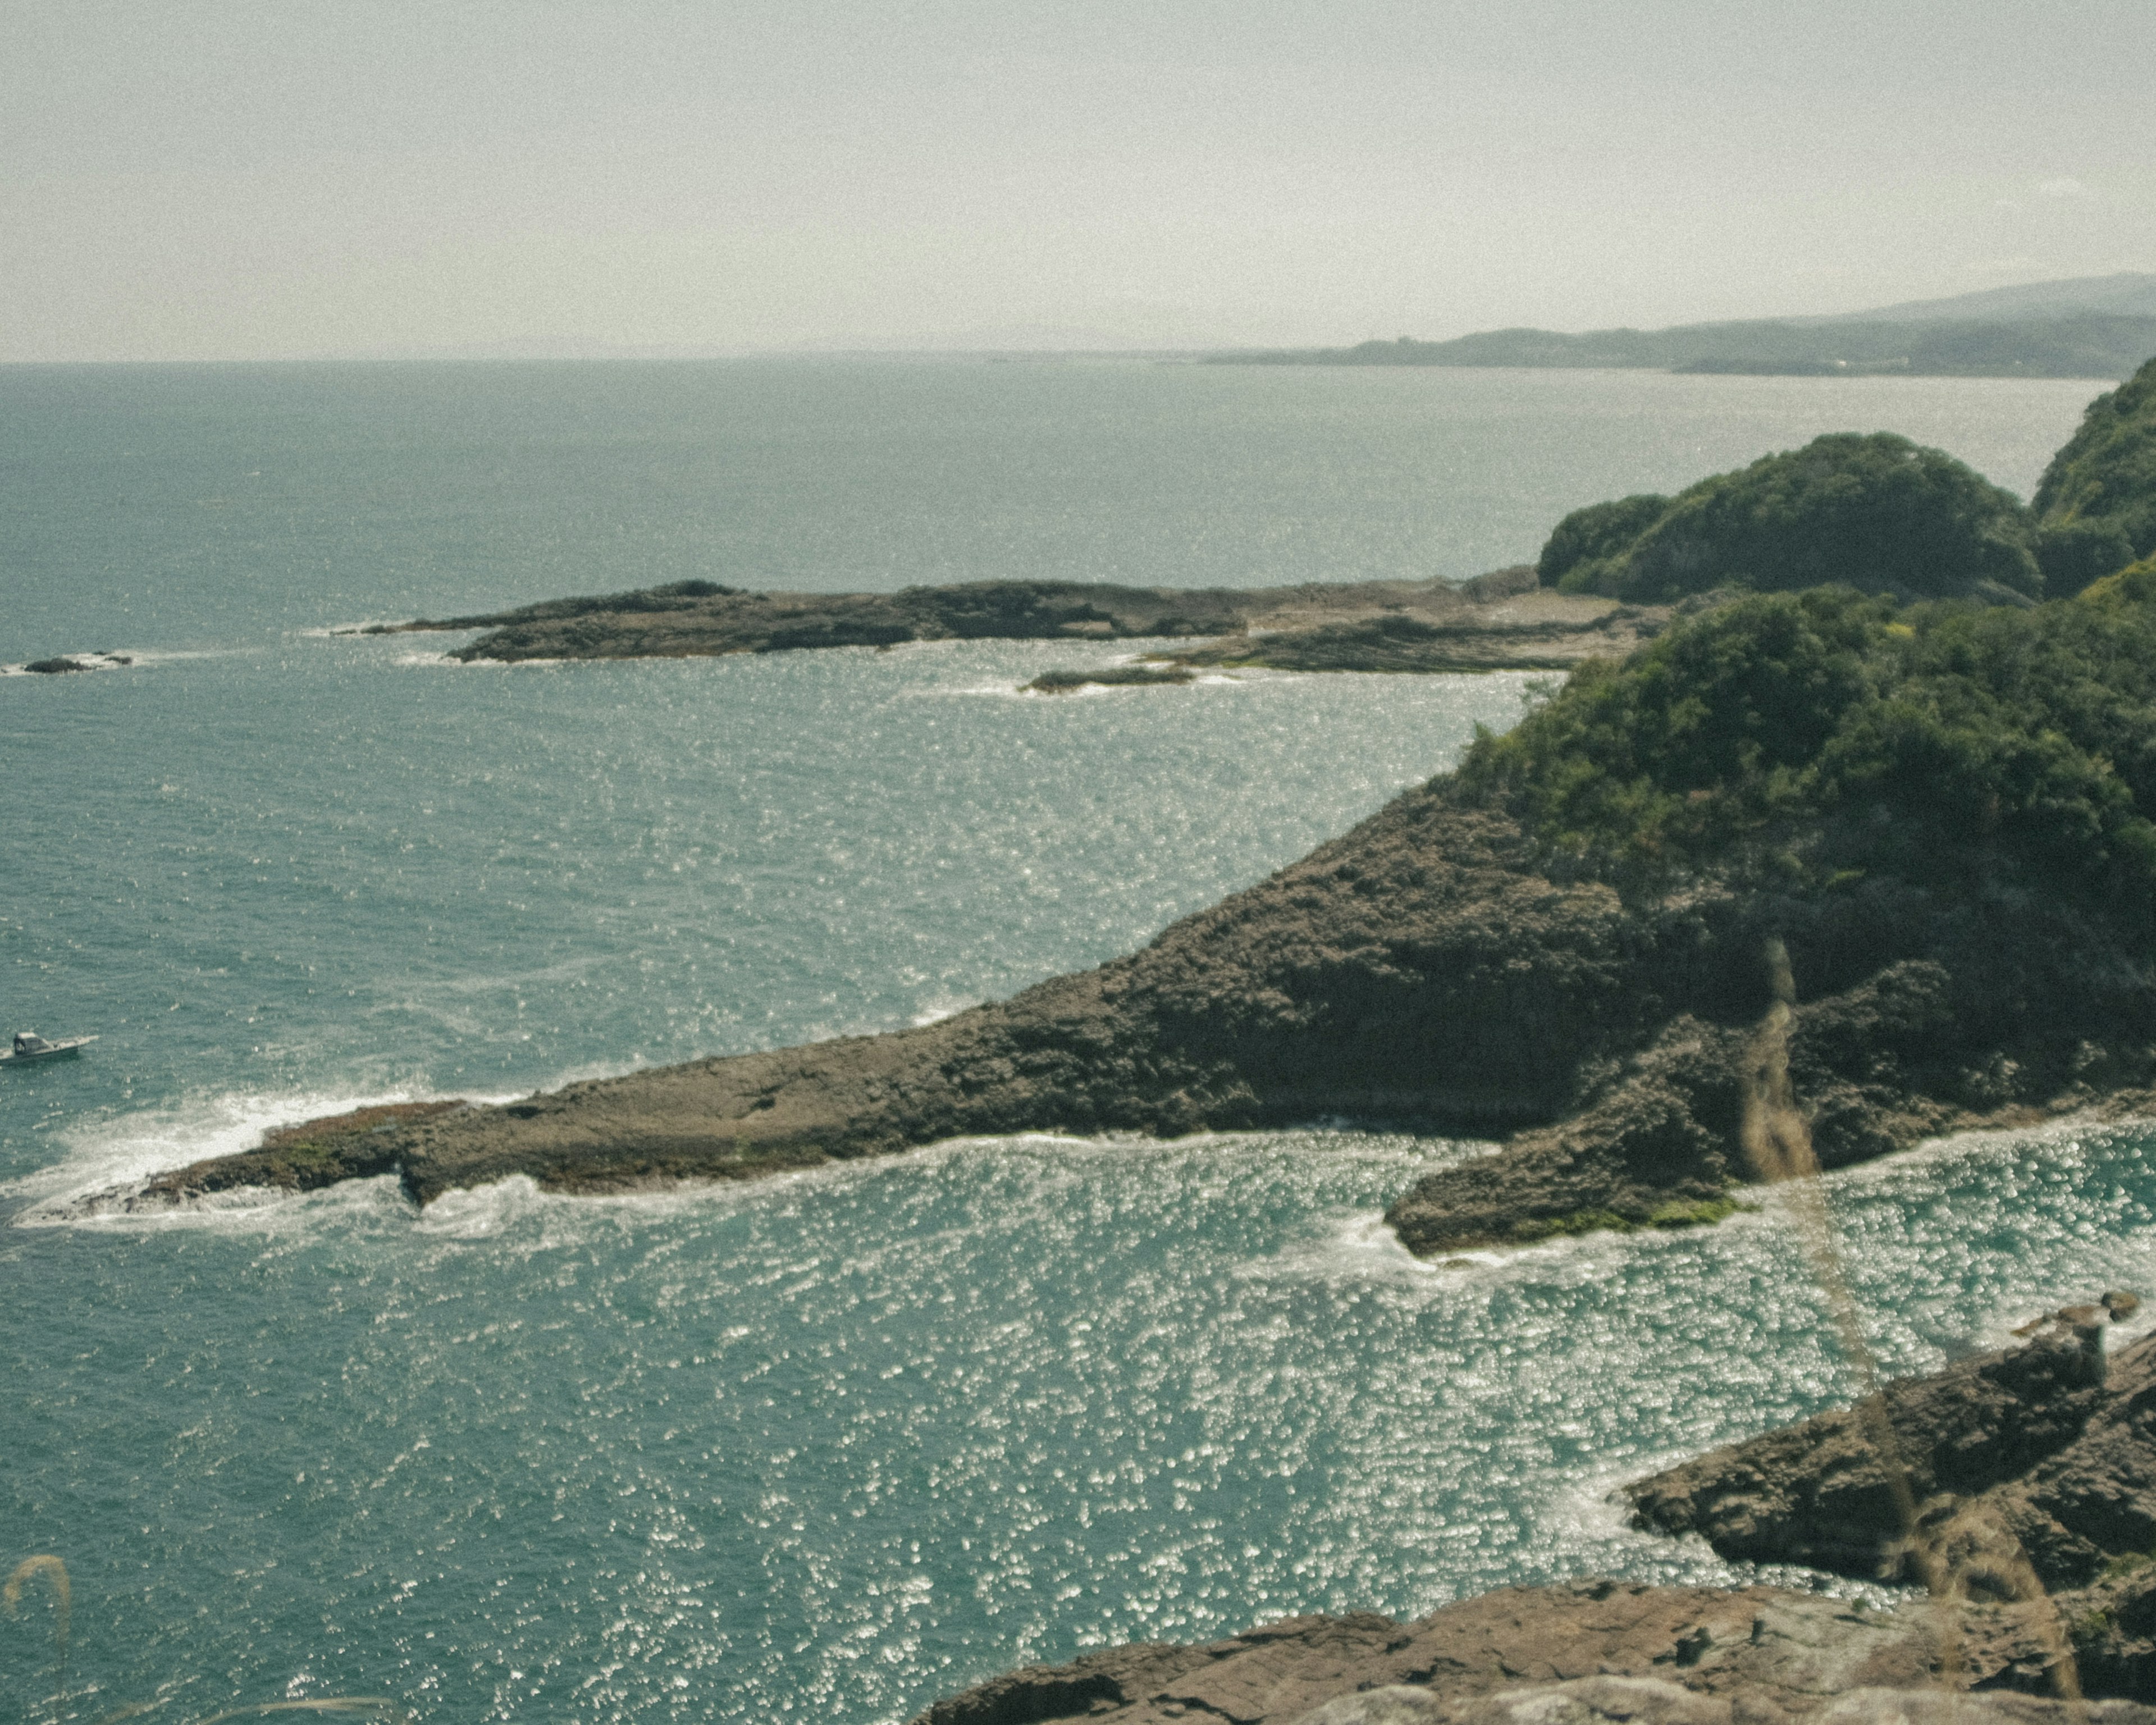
[1694, 1213]
[1699, 1214]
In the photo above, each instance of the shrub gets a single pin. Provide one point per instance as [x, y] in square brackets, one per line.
[2097, 504]
[1594, 534]
[1875, 512]
[1815, 732]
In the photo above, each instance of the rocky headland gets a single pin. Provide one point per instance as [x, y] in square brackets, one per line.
[1936, 814]
[1500, 621]
[1561, 946]
[1436, 967]
[1879, 853]
[2035, 1472]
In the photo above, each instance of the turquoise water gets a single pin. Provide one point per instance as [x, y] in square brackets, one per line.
[827, 1447]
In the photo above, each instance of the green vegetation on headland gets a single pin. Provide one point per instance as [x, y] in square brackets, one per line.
[1812, 738]
[1880, 514]
[2096, 508]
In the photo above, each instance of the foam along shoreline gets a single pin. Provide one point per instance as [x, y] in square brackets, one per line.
[1501, 621]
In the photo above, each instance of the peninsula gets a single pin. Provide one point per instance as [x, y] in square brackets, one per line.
[1937, 811]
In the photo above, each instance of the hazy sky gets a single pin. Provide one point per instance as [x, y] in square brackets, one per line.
[234, 180]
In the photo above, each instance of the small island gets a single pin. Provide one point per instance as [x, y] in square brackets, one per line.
[1507, 620]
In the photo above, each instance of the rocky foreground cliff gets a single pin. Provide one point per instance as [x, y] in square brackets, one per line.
[1432, 969]
[2050, 1442]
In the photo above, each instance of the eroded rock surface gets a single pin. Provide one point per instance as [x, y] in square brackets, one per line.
[2036, 1464]
[1554, 1655]
[2041, 1456]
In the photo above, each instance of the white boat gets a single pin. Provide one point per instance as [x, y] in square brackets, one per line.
[31, 1046]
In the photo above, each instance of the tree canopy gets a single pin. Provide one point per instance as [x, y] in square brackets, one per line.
[2096, 508]
[1873, 512]
[1823, 733]
[1597, 532]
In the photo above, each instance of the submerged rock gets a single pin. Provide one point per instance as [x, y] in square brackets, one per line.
[1110, 676]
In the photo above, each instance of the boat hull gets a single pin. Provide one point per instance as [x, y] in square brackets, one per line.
[61, 1051]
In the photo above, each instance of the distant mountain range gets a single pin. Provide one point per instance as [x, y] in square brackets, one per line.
[2096, 326]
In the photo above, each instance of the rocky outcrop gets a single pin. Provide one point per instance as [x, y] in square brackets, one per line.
[1113, 677]
[2033, 1468]
[1495, 621]
[1428, 969]
[62, 664]
[1534, 632]
[358, 1145]
[1646, 1701]
[2036, 1467]
[1579, 1651]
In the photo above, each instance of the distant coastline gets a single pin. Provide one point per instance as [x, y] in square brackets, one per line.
[2098, 347]
[2103, 328]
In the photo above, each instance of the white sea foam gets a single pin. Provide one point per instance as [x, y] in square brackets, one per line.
[117, 1153]
[935, 1011]
[1356, 1247]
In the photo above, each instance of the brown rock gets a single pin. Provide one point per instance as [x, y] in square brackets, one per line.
[1570, 1655]
[2037, 1456]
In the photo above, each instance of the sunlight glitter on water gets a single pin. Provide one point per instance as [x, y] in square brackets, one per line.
[831, 1446]
[839, 1443]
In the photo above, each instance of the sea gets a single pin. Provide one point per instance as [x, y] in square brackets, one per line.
[829, 1446]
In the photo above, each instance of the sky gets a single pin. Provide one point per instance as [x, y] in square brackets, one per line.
[269, 179]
